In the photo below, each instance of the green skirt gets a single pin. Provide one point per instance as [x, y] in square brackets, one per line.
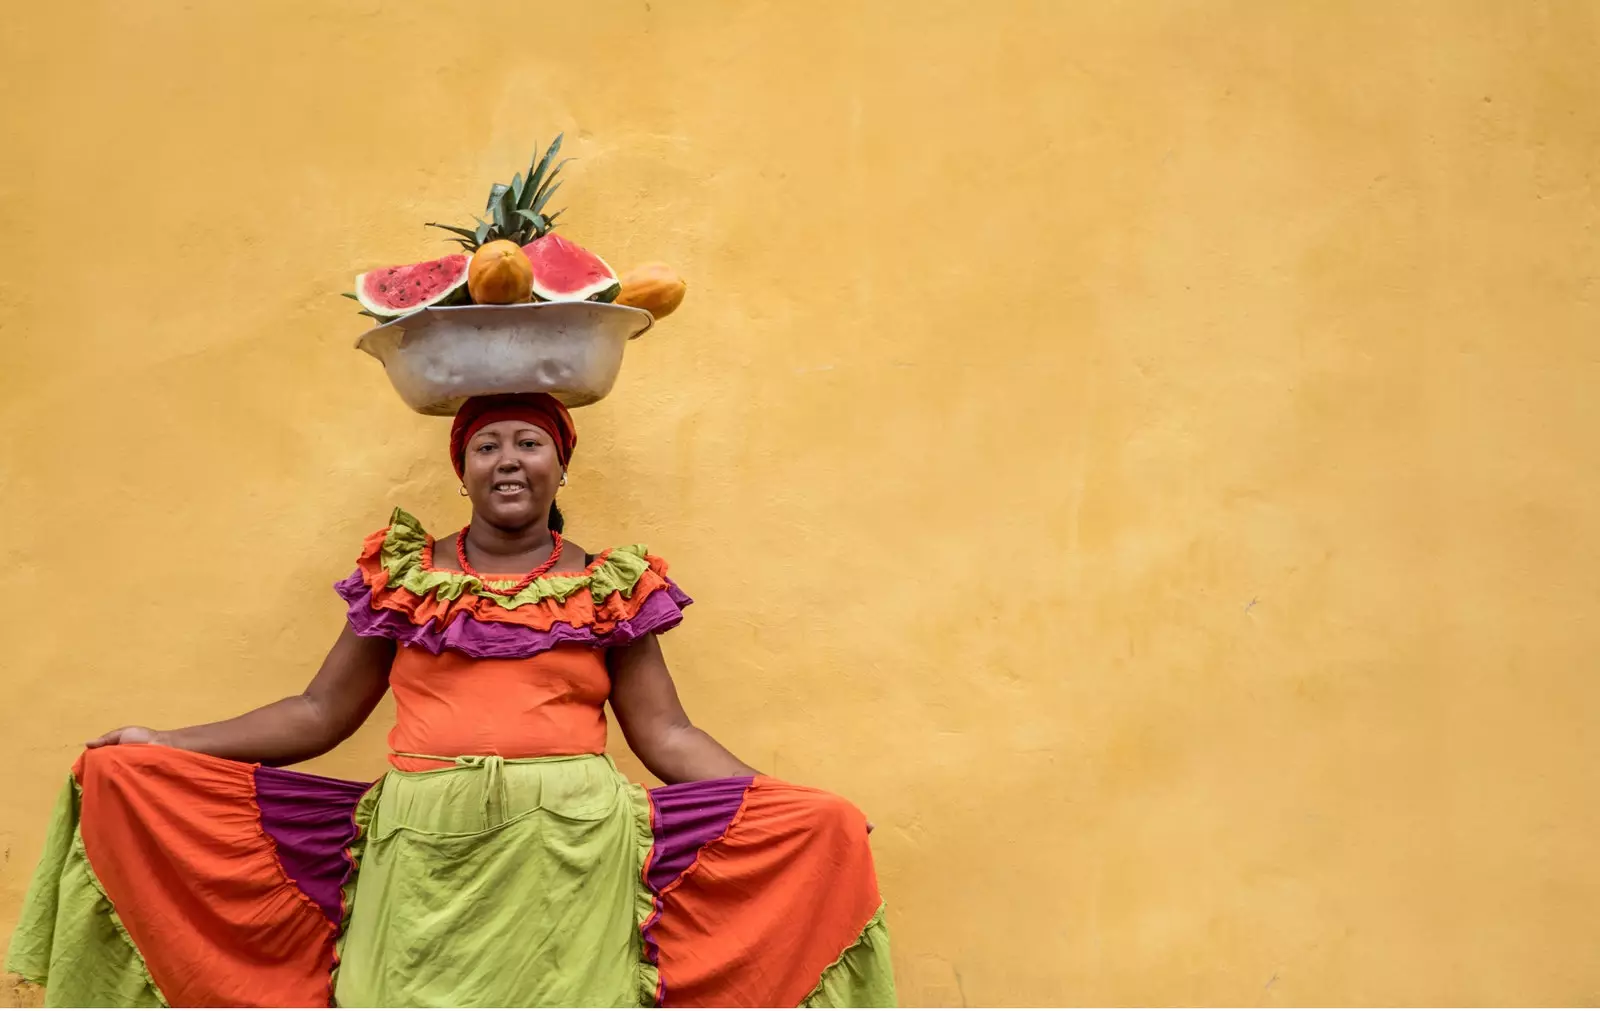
[500, 885]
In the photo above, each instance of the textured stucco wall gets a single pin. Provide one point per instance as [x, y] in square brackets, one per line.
[1143, 453]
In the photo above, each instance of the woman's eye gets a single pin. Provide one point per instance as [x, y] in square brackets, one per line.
[529, 444]
[486, 447]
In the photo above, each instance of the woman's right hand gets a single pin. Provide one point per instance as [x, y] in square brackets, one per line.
[127, 735]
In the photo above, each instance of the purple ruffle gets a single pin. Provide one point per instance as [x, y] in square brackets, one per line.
[661, 611]
[311, 821]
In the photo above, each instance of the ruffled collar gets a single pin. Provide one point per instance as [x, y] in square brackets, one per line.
[406, 554]
[396, 592]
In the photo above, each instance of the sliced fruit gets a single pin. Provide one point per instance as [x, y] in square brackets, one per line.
[500, 274]
[653, 287]
[564, 271]
[395, 291]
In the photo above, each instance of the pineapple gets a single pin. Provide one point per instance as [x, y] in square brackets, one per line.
[516, 211]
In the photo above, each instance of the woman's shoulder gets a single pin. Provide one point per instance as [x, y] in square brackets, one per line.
[574, 557]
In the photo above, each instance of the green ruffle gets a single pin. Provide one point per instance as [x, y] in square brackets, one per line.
[70, 938]
[644, 900]
[860, 977]
[402, 552]
[366, 807]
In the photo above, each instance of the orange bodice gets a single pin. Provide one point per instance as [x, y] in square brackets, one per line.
[487, 666]
[450, 704]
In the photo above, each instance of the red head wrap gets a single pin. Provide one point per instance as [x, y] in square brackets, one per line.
[540, 409]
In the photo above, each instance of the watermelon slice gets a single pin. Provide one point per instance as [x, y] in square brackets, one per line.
[564, 271]
[395, 291]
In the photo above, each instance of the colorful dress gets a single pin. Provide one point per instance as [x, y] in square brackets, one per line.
[502, 861]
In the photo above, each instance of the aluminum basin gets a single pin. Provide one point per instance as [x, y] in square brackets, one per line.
[438, 357]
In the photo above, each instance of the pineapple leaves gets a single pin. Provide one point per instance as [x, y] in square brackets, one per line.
[503, 216]
[373, 315]
[516, 211]
[496, 191]
[351, 295]
[526, 196]
[545, 183]
[495, 210]
[464, 233]
[538, 178]
[544, 198]
[537, 172]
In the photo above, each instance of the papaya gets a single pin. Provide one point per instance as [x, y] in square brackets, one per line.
[653, 287]
[500, 274]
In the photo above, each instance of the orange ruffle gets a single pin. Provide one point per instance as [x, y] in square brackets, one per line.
[580, 610]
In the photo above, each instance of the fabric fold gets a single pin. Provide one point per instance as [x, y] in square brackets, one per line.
[659, 611]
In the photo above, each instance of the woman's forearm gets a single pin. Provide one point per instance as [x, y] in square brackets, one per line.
[687, 754]
[290, 730]
[348, 685]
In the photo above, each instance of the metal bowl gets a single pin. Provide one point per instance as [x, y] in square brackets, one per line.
[438, 357]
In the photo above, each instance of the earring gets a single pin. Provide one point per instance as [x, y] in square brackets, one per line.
[463, 491]
[563, 479]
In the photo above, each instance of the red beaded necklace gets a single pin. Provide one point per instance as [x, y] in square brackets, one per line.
[527, 581]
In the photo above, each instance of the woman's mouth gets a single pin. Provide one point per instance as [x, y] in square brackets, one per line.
[509, 488]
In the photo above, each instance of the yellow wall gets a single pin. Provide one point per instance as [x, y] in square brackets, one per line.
[1144, 454]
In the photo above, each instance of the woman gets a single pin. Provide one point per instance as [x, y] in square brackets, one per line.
[503, 860]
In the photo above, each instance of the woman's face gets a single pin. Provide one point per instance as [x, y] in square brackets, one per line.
[512, 474]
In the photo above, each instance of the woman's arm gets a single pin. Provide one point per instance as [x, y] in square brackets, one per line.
[653, 720]
[352, 680]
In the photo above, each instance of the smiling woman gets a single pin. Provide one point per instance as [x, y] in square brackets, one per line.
[511, 453]
[502, 860]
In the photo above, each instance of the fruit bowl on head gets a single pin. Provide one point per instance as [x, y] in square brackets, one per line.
[439, 356]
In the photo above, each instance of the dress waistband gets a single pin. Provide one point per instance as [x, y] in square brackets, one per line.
[495, 798]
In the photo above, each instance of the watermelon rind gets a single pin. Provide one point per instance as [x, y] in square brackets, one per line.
[454, 292]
